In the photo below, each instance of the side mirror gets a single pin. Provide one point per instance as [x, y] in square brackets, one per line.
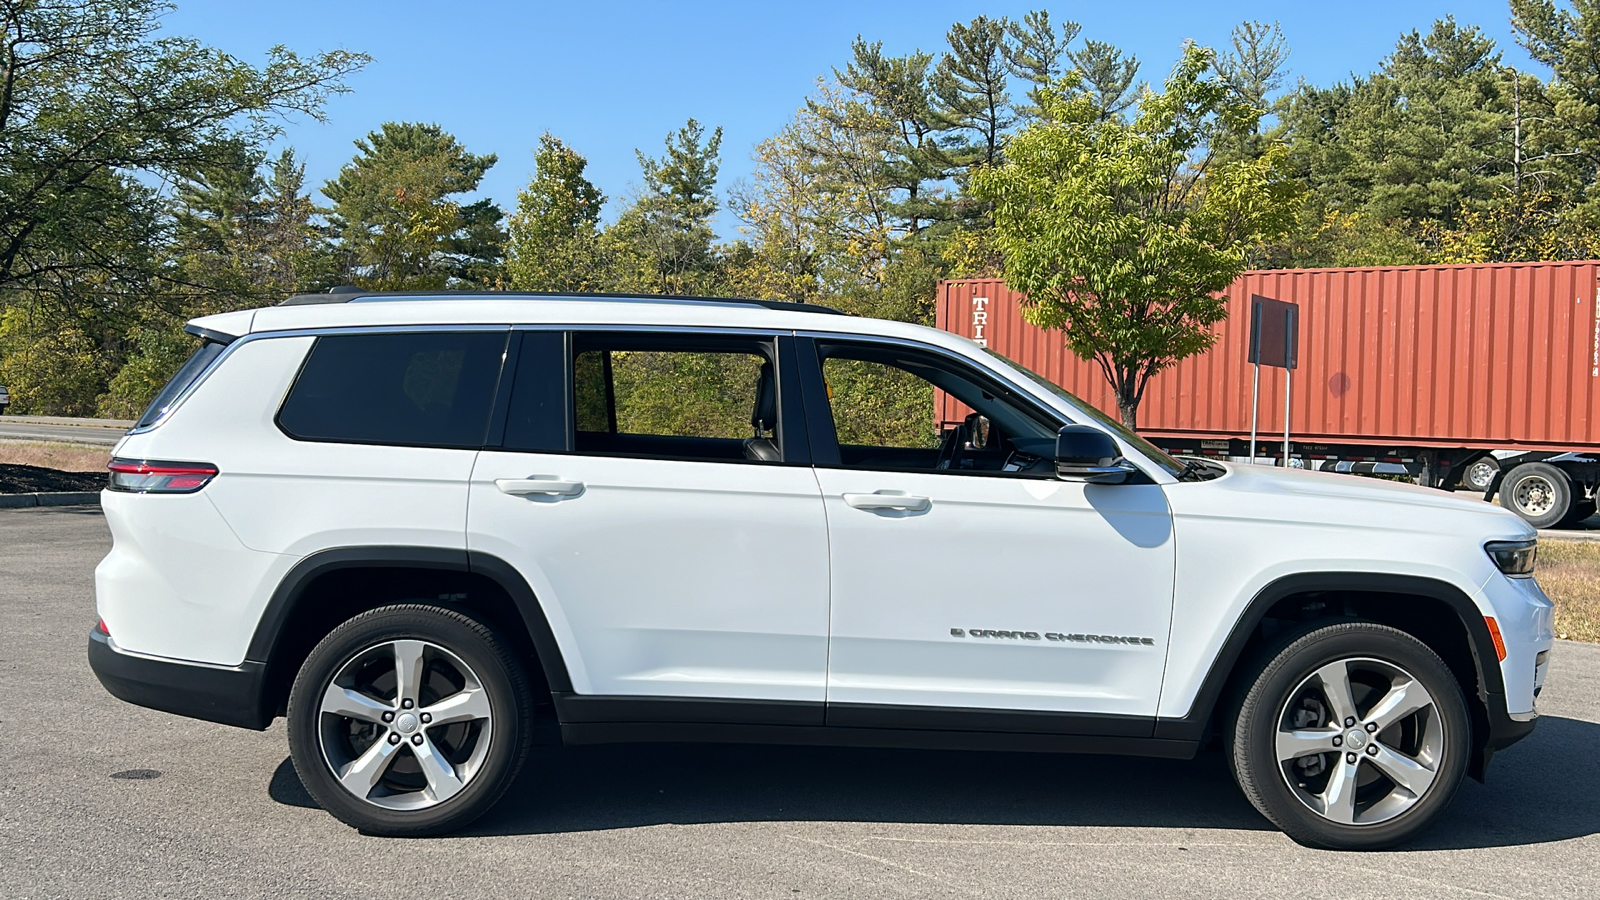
[1089, 455]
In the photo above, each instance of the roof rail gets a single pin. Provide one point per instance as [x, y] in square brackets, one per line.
[349, 293]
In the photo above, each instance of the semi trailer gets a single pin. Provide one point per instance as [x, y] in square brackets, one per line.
[1484, 377]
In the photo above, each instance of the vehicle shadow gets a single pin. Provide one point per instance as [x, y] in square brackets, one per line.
[1545, 789]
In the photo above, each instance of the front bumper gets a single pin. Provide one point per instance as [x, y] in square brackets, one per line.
[231, 695]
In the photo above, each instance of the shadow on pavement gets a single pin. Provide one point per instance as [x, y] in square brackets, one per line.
[1545, 789]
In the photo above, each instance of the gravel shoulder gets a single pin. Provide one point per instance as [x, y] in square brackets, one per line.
[227, 817]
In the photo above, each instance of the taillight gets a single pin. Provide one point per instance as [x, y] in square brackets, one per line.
[139, 476]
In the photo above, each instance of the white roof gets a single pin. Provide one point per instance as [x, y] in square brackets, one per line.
[573, 311]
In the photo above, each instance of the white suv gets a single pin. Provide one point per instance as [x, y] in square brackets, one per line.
[416, 525]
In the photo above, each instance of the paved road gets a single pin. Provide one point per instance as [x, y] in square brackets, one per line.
[10, 429]
[228, 818]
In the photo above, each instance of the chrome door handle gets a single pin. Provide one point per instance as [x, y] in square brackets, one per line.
[539, 484]
[887, 500]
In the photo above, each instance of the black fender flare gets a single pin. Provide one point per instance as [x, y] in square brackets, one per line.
[293, 585]
[1192, 726]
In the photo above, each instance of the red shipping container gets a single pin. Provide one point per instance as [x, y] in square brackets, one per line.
[1493, 356]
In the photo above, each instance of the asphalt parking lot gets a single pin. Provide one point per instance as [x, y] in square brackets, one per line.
[228, 818]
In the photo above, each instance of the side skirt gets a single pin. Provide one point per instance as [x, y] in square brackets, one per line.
[902, 738]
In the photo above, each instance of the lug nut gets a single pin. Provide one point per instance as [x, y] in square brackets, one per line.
[1350, 757]
[1349, 721]
[1371, 727]
[416, 739]
[426, 718]
[1372, 749]
[405, 704]
[394, 738]
[388, 717]
[1338, 741]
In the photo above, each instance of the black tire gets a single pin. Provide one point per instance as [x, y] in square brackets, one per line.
[1538, 492]
[1579, 512]
[449, 642]
[1480, 474]
[1275, 698]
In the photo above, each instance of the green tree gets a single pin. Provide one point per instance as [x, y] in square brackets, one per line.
[90, 97]
[893, 93]
[396, 218]
[1034, 49]
[1107, 75]
[1124, 234]
[1255, 70]
[970, 84]
[667, 235]
[554, 243]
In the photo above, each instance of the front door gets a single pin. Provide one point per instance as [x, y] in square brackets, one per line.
[970, 586]
[646, 488]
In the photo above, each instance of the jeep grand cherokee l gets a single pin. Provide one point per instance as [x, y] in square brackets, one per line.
[414, 524]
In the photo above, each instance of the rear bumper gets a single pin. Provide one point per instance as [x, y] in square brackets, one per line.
[231, 695]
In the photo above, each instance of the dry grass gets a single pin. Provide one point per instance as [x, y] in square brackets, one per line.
[61, 457]
[1569, 572]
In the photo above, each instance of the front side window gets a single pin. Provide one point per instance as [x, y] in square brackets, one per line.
[882, 401]
[673, 397]
[417, 389]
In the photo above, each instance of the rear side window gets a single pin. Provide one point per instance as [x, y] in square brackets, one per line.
[423, 389]
[197, 363]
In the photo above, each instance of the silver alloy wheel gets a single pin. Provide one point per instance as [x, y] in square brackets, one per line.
[1359, 741]
[1480, 473]
[1534, 495]
[405, 725]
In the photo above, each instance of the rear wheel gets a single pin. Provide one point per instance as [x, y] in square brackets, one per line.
[1540, 493]
[409, 720]
[1481, 473]
[1354, 736]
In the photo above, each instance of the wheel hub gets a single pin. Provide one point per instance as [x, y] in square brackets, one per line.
[1378, 752]
[405, 725]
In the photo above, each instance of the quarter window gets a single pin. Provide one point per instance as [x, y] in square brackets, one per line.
[416, 389]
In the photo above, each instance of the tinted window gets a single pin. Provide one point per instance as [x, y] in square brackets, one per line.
[537, 419]
[197, 363]
[418, 389]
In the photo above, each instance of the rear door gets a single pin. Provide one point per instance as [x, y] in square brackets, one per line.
[655, 492]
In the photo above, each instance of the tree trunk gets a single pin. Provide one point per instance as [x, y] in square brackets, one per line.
[1128, 405]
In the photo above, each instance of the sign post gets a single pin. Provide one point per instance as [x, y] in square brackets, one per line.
[1274, 341]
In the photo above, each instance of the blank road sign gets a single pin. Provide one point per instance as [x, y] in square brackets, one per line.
[1274, 332]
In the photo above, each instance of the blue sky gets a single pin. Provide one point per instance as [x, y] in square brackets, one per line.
[610, 77]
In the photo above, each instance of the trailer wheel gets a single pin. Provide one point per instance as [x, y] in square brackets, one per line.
[1481, 473]
[1541, 494]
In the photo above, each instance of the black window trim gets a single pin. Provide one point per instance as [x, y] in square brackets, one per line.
[318, 334]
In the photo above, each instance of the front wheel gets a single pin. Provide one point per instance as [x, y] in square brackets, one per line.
[409, 720]
[1355, 736]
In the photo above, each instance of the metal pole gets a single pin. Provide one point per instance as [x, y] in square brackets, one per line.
[1255, 402]
[1288, 392]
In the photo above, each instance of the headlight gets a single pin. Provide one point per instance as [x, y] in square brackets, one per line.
[1513, 557]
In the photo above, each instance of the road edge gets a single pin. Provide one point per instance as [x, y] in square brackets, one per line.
[50, 498]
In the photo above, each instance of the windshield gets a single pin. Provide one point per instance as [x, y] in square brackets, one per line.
[1154, 453]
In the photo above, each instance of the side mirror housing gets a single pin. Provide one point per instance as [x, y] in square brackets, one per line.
[1089, 455]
